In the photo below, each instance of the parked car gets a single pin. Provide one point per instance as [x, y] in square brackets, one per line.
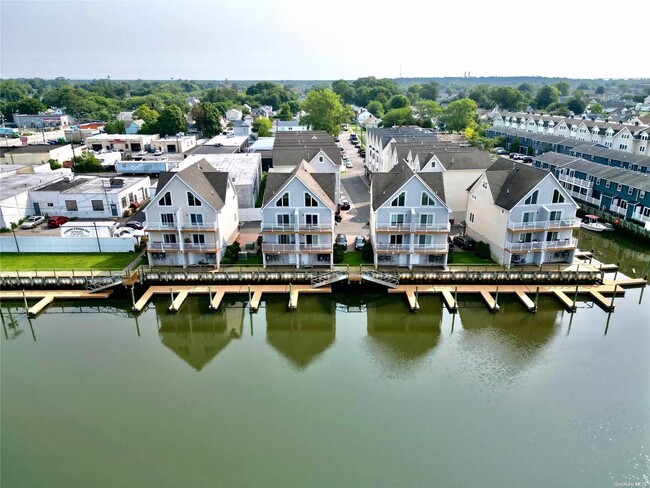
[56, 221]
[362, 152]
[158, 152]
[33, 221]
[134, 224]
[464, 242]
[516, 156]
[345, 204]
[337, 217]
[500, 150]
[347, 162]
[342, 241]
[359, 242]
[337, 139]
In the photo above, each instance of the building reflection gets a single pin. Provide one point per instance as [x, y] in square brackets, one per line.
[498, 347]
[197, 336]
[303, 335]
[398, 338]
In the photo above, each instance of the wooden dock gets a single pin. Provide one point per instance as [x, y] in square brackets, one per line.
[180, 294]
[413, 302]
[564, 293]
[46, 297]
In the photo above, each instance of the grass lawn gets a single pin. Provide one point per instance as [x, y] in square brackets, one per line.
[65, 261]
[353, 258]
[468, 258]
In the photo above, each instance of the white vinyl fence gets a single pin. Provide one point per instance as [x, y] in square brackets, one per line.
[45, 244]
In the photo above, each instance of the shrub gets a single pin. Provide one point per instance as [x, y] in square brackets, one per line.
[231, 256]
[338, 254]
[367, 253]
[483, 250]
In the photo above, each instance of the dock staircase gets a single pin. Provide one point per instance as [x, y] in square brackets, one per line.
[387, 279]
[328, 278]
[102, 282]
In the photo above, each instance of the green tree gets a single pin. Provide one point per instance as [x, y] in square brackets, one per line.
[344, 90]
[563, 87]
[207, 117]
[114, 127]
[459, 115]
[398, 101]
[576, 105]
[507, 98]
[526, 88]
[145, 113]
[596, 108]
[285, 112]
[171, 121]
[398, 116]
[427, 110]
[601, 90]
[325, 111]
[430, 91]
[87, 163]
[262, 127]
[481, 95]
[30, 106]
[546, 96]
[376, 108]
[12, 90]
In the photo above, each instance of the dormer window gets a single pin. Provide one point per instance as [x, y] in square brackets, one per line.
[166, 200]
[283, 201]
[399, 201]
[192, 201]
[310, 201]
[427, 200]
[484, 185]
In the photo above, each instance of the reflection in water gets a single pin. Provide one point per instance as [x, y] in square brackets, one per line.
[499, 347]
[303, 335]
[612, 248]
[195, 335]
[398, 338]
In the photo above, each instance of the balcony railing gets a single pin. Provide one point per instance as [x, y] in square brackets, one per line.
[314, 227]
[285, 248]
[576, 181]
[432, 227]
[430, 248]
[640, 217]
[161, 225]
[199, 226]
[584, 198]
[398, 228]
[572, 223]
[618, 210]
[569, 243]
[162, 246]
[269, 227]
[206, 247]
[316, 247]
[186, 246]
[392, 247]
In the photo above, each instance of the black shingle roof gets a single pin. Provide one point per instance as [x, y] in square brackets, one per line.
[384, 185]
[209, 184]
[511, 181]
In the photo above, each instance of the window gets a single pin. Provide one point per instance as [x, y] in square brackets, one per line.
[622, 147]
[630, 190]
[426, 219]
[551, 236]
[641, 148]
[525, 237]
[598, 181]
[399, 201]
[557, 196]
[198, 238]
[310, 201]
[124, 204]
[169, 238]
[167, 219]
[607, 184]
[473, 197]
[196, 219]
[192, 201]
[166, 200]
[641, 194]
[427, 200]
[484, 185]
[320, 159]
[532, 199]
[284, 219]
[397, 220]
[396, 239]
[311, 219]
[555, 215]
[311, 239]
[528, 217]
[471, 217]
[646, 211]
[425, 239]
[283, 201]
[286, 239]
[619, 187]
[71, 205]
[98, 205]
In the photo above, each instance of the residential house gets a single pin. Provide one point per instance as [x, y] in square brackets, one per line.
[49, 118]
[371, 122]
[363, 116]
[263, 111]
[133, 126]
[233, 114]
[242, 128]
[38, 154]
[298, 218]
[523, 213]
[120, 142]
[174, 144]
[192, 218]
[288, 125]
[409, 220]
[620, 191]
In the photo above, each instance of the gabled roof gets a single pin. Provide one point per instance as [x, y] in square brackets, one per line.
[511, 181]
[291, 147]
[385, 185]
[613, 154]
[208, 184]
[322, 185]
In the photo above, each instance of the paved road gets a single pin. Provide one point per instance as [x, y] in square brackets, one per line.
[356, 188]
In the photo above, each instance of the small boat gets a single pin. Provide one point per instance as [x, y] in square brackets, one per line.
[590, 222]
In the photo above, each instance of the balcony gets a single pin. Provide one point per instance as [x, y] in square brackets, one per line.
[639, 217]
[205, 247]
[398, 248]
[316, 248]
[161, 226]
[310, 228]
[279, 248]
[401, 228]
[184, 247]
[270, 227]
[572, 223]
[539, 246]
[576, 181]
[161, 246]
[584, 198]
[209, 227]
[619, 210]
[432, 227]
[430, 248]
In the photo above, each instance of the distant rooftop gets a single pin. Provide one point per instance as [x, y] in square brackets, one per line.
[93, 184]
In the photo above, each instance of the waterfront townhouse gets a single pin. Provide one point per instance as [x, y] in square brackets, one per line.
[379, 151]
[298, 217]
[192, 218]
[622, 192]
[409, 220]
[523, 213]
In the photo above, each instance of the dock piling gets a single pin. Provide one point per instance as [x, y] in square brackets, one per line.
[575, 299]
[25, 300]
[536, 298]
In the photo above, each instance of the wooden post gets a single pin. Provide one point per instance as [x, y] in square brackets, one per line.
[25, 299]
[611, 304]
[133, 297]
[456, 297]
[171, 296]
[575, 299]
[250, 300]
[416, 295]
[210, 293]
[496, 300]
[536, 298]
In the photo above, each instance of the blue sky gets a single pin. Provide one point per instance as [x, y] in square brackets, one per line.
[332, 39]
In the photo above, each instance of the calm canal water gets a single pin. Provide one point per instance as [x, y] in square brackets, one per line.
[348, 391]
